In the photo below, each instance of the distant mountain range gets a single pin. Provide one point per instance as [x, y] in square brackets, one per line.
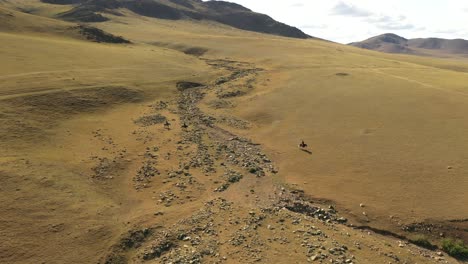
[219, 11]
[392, 43]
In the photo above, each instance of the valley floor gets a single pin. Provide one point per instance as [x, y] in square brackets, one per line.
[90, 172]
[119, 186]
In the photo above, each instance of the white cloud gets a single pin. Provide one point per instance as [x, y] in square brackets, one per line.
[314, 26]
[297, 5]
[354, 20]
[386, 22]
[344, 9]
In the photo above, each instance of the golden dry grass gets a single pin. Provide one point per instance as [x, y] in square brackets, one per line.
[391, 133]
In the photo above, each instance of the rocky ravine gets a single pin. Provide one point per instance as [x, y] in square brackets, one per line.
[221, 203]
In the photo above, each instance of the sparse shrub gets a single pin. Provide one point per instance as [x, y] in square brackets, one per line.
[150, 120]
[195, 51]
[181, 86]
[253, 170]
[235, 178]
[342, 74]
[422, 241]
[455, 248]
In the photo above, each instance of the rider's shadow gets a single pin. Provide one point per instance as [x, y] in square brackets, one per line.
[307, 151]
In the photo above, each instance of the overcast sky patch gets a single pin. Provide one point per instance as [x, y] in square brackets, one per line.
[314, 26]
[386, 22]
[344, 9]
[297, 5]
[348, 21]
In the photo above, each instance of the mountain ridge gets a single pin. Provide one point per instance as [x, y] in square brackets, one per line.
[184, 146]
[223, 12]
[392, 43]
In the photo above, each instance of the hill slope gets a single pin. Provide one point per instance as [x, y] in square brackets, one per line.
[88, 165]
[392, 43]
[223, 12]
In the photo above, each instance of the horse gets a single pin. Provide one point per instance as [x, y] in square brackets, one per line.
[303, 145]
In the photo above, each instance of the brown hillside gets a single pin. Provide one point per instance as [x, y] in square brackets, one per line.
[184, 146]
[223, 12]
[391, 43]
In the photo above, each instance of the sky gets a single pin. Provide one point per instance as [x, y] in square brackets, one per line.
[347, 21]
